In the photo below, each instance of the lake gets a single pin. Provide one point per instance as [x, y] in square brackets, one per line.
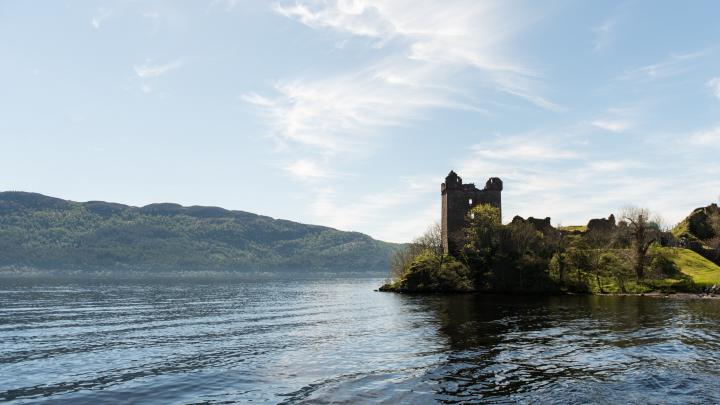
[338, 341]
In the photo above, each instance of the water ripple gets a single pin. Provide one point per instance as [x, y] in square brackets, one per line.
[337, 341]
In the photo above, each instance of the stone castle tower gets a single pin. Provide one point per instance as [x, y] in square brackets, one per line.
[457, 200]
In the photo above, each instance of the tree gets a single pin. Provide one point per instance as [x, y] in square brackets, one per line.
[431, 240]
[714, 242]
[597, 242]
[558, 244]
[401, 260]
[714, 221]
[482, 236]
[524, 238]
[643, 233]
[429, 243]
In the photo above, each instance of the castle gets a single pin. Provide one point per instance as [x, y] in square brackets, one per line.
[457, 201]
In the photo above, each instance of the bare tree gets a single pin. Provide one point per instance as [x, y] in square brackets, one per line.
[400, 261]
[431, 240]
[643, 233]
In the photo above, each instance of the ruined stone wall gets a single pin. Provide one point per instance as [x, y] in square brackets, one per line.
[543, 225]
[457, 201]
[601, 224]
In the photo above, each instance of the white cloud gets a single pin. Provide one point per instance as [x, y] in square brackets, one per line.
[585, 183]
[341, 113]
[396, 210]
[612, 125]
[308, 170]
[525, 147]
[604, 34]
[603, 166]
[228, 4]
[714, 85]
[673, 65]
[426, 45]
[709, 137]
[618, 119]
[149, 70]
[102, 15]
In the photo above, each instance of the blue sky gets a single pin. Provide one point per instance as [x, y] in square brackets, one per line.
[350, 113]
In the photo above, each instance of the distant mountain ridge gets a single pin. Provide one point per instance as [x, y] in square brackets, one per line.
[41, 232]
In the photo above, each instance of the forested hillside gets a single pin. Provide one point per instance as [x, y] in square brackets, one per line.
[41, 232]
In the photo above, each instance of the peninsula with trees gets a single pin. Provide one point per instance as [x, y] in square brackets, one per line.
[472, 250]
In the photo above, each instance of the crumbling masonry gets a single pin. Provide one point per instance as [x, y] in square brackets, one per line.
[457, 201]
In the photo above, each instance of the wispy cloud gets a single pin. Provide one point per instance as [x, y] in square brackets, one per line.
[601, 166]
[229, 5]
[150, 70]
[342, 113]
[612, 125]
[425, 46]
[714, 85]
[306, 169]
[102, 15]
[583, 182]
[604, 34]
[673, 65]
[526, 147]
[402, 218]
[618, 119]
[710, 137]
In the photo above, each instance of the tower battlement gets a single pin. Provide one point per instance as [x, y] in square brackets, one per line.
[457, 201]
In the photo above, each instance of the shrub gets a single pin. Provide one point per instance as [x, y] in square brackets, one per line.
[435, 273]
[662, 264]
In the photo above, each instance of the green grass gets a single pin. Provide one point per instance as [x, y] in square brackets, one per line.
[702, 271]
[683, 228]
[696, 271]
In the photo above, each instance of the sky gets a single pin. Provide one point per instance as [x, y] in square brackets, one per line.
[351, 113]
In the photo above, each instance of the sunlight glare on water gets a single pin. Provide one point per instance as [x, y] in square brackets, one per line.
[322, 341]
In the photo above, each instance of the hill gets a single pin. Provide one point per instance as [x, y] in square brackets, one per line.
[698, 224]
[46, 233]
[700, 231]
[702, 271]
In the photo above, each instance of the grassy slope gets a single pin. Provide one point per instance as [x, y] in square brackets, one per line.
[683, 228]
[703, 271]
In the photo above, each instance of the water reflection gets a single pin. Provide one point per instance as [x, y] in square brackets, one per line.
[337, 341]
[576, 349]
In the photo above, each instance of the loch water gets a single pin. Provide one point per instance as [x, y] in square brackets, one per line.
[338, 341]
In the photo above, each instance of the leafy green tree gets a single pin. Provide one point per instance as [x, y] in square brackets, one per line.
[429, 243]
[483, 236]
[429, 272]
[597, 242]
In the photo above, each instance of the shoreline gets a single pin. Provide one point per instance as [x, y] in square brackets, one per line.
[652, 294]
[658, 294]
